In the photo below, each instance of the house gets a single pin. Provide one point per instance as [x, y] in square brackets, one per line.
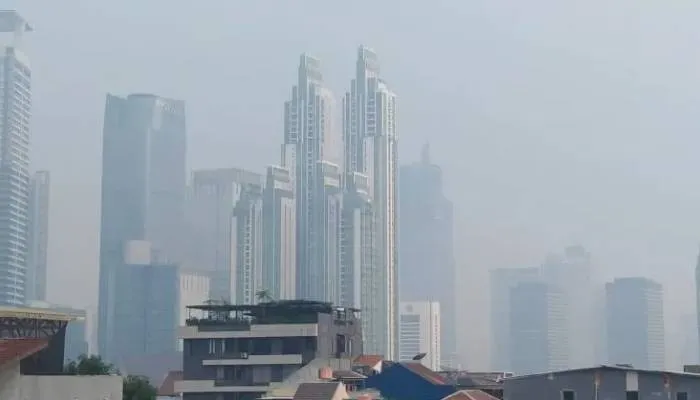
[409, 381]
[603, 383]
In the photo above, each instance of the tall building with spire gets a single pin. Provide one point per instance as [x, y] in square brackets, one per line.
[370, 147]
[309, 137]
[427, 270]
[15, 108]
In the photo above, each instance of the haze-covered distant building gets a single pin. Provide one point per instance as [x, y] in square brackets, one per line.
[279, 234]
[426, 246]
[39, 194]
[539, 328]
[247, 245]
[503, 280]
[635, 323]
[15, 108]
[307, 152]
[419, 332]
[370, 141]
[143, 193]
[214, 223]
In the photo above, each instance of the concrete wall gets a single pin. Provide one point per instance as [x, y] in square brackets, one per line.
[69, 387]
[9, 381]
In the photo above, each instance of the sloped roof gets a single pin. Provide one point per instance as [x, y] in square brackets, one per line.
[342, 374]
[18, 349]
[368, 360]
[316, 391]
[424, 372]
[470, 395]
[167, 388]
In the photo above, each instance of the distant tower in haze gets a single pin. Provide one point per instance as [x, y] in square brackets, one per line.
[143, 194]
[309, 137]
[635, 323]
[15, 87]
[426, 245]
[38, 236]
[370, 148]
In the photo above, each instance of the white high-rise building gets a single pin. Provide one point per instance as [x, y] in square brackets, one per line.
[307, 152]
[370, 148]
[15, 108]
[419, 332]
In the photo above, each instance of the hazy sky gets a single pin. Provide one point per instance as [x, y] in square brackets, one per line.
[555, 121]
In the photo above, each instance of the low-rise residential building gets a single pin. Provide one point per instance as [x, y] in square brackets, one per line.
[244, 351]
[603, 382]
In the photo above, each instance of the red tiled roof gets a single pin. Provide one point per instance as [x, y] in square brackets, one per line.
[368, 360]
[18, 349]
[167, 388]
[470, 395]
[424, 372]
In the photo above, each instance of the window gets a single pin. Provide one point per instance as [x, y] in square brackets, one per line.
[632, 395]
[568, 395]
[212, 346]
[682, 396]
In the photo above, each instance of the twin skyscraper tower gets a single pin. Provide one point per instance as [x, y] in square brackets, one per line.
[321, 225]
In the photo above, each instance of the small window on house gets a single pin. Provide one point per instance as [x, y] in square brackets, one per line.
[632, 395]
[568, 395]
[682, 396]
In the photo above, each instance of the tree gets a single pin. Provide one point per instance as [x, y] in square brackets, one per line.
[134, 387]
[90, 365]
[138, 388]
[263, 296]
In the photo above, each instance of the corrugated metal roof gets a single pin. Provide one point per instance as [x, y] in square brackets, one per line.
[424, 372]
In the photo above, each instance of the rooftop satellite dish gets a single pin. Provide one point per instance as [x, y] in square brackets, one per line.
[419, 356]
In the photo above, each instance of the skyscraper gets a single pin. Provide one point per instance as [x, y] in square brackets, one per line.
[308, 141]
[15, 85]
[370, 147]
[539, 328]
[425, 245]
[38, 236]
[635, 323]
[214, 217]
[247, 245]
[279, 233]
[419, 332]
[503, 280]
[143, 191]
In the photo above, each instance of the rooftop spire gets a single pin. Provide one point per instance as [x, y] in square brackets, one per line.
[425, 153]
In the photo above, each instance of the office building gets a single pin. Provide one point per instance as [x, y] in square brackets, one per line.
[38, 236]
[502, 281]
[213, 225]
[279, 232]
[146, 319]
[426, 239]
[247, 350]
[15, 85]
[371, 148]
[143, 193]
[194, 289]
[419, 333]
[635, 323]
[308, 141]
[247, 245]
[538, 328]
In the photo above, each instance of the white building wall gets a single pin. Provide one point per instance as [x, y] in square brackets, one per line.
[69, 387]
[419, 332]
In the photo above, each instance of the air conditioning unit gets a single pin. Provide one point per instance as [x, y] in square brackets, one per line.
[244, 356]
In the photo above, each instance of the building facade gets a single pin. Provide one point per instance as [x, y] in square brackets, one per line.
[503, 280]
[635, 323]
[539, 336]
[308, 143]
[143, 192]
[419, 332]
[425, 237]
[371, 147]
[38, 236]
[245, 350]
[279, 232]
[15, 85]
[247, 245]
[212, 224]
